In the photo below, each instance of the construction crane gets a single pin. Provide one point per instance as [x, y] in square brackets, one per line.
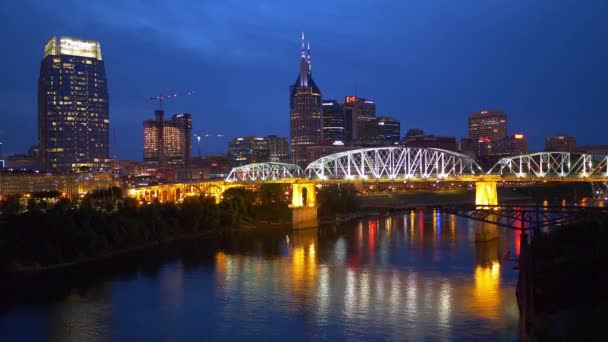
[198, 135]
[162, 97]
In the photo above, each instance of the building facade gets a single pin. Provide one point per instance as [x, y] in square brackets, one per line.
[306, 118]
[168, 142]
[389, 128]
[333, 121]
[561, 143]
[512, 145]
[247, 150]
[491, 124]
[278, 148]
[430, 141]
[359, 119]
[73, 109]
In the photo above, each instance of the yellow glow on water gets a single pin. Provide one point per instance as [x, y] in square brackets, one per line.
[486, 293]
[220, 262]
[311, 251]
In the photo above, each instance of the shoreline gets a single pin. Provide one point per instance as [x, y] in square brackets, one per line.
[207, 234]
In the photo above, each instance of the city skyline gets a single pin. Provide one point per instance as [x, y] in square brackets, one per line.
[420, 93]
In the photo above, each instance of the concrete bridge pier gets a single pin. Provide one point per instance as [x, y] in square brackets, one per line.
[486, 194]
[303, 206]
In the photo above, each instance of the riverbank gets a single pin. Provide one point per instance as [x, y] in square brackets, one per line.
[207, 234]
[65, 234]
[562, 284]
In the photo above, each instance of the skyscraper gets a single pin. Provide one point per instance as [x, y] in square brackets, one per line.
[389, 128]
[248, 150]
[333, 121]
[491, 124]
[168, 142]
[305, 102]
[278, 148]
[73, 111]
[359, 116]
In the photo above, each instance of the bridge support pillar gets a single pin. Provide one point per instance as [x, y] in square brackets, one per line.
[303, 206]
[486, 194]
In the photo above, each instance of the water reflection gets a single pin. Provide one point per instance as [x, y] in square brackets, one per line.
[415, 276]
[373, 279]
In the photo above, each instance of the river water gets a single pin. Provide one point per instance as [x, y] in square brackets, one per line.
[416, 276]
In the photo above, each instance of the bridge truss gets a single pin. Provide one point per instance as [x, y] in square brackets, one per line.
[264, 172]
[393, 163]
[552, 165]
[525, 218]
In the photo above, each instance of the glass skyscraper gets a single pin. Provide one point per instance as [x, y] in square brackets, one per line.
[73, 109]
[333, 121]
[306, 118]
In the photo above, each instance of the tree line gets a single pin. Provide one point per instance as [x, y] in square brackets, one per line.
[105, 222]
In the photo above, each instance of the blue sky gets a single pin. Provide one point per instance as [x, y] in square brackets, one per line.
[429, 63]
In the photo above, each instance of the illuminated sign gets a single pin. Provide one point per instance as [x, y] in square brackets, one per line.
[369, 101]
[327, 103]
[503, 121]
[338, 143]
[484, 140]
[484, 112]
[519, 136]
[351, 99]
[381, 123]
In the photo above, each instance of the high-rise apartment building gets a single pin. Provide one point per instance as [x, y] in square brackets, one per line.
[491, 124]
[562, 143]
[168, 142]
[333, 121]
[73, 111]
[305, 102]
[359, 116]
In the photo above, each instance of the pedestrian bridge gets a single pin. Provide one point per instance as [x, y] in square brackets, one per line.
[394, 164]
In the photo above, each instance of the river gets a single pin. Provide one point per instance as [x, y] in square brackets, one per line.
[415, 276]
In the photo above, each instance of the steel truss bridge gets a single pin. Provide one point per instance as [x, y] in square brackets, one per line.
[402, 164]
[430, 164]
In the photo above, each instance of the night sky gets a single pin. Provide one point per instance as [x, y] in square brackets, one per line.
[429, 63]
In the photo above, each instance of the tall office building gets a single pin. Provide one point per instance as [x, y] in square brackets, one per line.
[359, 116]
[389, 128]
[305, 102]
[491, 124]
[168, 142]
[333, 121]
[278, 148]
[562, 143]
[73, 111]
[248, 150]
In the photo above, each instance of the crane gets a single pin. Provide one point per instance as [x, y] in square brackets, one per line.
[198, 135]
[162, 97]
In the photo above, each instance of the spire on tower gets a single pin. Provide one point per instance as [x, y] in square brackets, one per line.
[309, 63]
[303, 50]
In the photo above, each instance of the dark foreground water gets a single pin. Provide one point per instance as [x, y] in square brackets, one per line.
[416, 276]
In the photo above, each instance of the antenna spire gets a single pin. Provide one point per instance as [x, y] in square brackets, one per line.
[309, 63]
[303, 55]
